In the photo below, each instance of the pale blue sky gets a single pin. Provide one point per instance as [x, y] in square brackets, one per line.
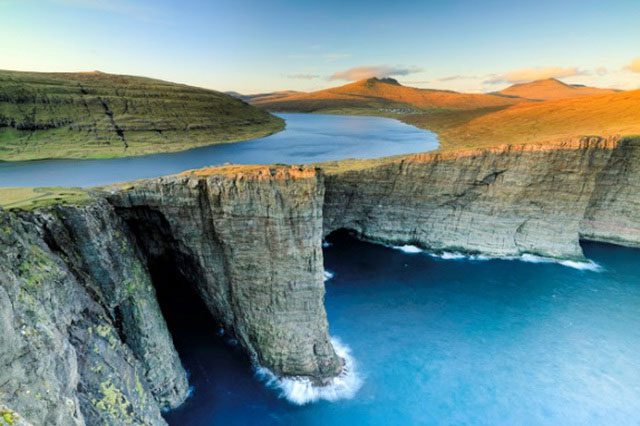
[254, 46]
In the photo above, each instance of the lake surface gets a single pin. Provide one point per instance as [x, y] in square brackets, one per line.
[496, 342]
[307, 138]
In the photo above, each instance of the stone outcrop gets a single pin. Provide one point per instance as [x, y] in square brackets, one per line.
[506, 201]
[83, 340]
[250, 241]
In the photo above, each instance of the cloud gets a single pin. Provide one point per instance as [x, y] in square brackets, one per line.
[361, 73]
[303, 76]
[602, 71]
[634, 66]
[529, 74]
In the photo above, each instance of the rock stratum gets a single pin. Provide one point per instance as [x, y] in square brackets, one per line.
[82, 336]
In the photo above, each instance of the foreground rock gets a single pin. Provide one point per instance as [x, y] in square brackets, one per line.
[83, 340]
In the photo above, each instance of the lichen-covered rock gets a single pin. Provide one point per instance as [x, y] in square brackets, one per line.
[250, 240]
[80, 329]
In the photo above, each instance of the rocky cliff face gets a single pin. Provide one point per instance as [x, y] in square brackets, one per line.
[507, 201]
[83, 340]
[250, 241]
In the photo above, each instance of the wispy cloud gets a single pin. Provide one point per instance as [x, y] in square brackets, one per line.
[303, 76]
[634, 66]
[361, 73]
[537, 73]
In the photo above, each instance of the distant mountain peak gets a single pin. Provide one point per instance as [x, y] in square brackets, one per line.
[551, 88]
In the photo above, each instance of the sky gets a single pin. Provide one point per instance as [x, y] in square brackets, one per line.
[262, 46]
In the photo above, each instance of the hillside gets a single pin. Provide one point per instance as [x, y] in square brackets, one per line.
[382, 94]
[550, 89]
[612, 114]
[98, 115]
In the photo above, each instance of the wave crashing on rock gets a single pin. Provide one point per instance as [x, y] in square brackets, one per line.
[302, 391]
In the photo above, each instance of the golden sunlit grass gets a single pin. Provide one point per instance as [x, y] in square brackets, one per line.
[616, 114]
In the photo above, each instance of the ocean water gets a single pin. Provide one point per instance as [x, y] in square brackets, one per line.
[307, 138]
[443, 341]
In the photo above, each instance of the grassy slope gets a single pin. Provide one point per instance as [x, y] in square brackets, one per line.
[616, 114]
[97, 115]
[31, 198]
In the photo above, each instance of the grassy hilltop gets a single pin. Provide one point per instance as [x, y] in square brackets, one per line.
[98, 115]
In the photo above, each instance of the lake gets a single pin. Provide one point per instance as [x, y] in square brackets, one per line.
[441, 341]
[307, 138]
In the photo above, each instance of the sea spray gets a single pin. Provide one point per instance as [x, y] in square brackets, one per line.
[328, 275]
[301, 390]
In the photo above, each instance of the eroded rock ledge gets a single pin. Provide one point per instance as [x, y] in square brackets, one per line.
[83, 340]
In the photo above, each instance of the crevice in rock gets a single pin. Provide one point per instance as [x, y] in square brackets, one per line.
[109, 113]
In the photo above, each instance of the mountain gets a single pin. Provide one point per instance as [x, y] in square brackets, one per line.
[97, 115]
[385, 94]
[552, 89]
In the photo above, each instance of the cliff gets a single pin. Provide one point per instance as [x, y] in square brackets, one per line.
[83, 340]
[504, 201]
[250, 241]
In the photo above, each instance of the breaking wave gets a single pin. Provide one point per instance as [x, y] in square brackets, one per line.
[408, 248]
[301, 391]
[328, 275]
[588, 265]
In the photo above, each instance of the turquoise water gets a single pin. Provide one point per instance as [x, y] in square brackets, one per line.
[445, 342]
[307, 138]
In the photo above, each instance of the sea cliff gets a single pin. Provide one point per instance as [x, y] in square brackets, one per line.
[82, 336]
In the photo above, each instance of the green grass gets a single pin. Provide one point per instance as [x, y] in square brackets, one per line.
[33, 198]
[96, 115]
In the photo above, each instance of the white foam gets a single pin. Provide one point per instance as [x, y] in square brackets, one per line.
[326, 244]
[588, 265]
[583, 266]
[328, 275]
[301, 390]
[407, 248]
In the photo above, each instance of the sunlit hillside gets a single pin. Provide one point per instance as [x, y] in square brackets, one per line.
[552, 89]
[613, 114]
[385, 94]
